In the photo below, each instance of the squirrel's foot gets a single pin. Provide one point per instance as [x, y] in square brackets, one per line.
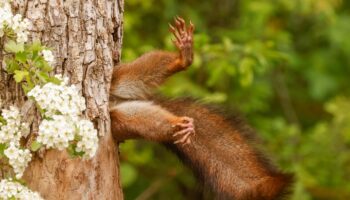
[183, 40]
[186, 130]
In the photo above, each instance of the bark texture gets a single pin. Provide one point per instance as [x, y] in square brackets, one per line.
[82, 35]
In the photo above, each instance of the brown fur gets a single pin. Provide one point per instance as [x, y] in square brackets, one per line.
[139, 82]
[224, 158]
[221, 154]
[142, 119]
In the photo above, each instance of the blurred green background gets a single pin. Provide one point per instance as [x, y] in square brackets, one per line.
[285, 64]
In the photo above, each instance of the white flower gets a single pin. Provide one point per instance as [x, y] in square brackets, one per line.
[16, 23]
[10, 133]
[10, 189]
[13, 129]
[22, 37]
[56, 133]
[58, 99]
[18, 159]
[11, 152]
[62, 106]
[89, 139]
[48, 56]
[5, 14]
[61, 130]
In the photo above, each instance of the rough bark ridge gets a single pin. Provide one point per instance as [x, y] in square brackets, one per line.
[82, 35]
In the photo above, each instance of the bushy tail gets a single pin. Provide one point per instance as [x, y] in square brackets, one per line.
[276, 187]
[223, 156]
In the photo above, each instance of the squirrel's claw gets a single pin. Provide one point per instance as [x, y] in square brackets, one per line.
[185, 139]
[186, 131]
[182, 33]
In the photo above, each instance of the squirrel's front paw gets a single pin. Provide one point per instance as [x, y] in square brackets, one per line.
[185, 129]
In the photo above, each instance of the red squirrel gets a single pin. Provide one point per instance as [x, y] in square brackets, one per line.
[219, 150]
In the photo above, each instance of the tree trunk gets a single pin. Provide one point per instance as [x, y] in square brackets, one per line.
[82, 35]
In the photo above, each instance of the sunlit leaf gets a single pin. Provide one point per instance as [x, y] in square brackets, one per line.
[20, 75]
[35, 46]
[3, 146]
[35, 146]
[43, 76]
[13, 47]
[72, 151]
[11, 65]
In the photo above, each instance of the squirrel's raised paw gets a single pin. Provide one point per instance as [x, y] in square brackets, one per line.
[183, 40]
[185, 130]
[183, 35]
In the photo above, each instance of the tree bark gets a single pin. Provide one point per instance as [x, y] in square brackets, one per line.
[82, 35]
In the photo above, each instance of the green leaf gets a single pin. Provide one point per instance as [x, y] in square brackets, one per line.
[26, 88]
[20, 181]
[13, 47]
[35, 146]
[2, 121]
[80, 154]
[29, 81]
[20, 74]
[2, 149]
[35, 55]
[41, 64]
[54, 80]
[43, 76]
[77, 137]
[11, 65]
[46, 67]
[72, 151]
[35, 46]
[21, 57]
[42, 111]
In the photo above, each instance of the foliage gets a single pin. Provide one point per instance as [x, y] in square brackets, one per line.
[27, 64]
[284, 64]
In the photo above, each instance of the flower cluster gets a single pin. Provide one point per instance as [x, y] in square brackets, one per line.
[18, 158]
[63, 125]
[58, 99]
[13, 129]
[13, 22]
[13, 190]
[89, 140]
[48, 56]
[56, 132]
[10, 133]
[6, 15]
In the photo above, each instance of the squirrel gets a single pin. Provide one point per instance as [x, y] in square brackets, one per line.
[219, 151]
